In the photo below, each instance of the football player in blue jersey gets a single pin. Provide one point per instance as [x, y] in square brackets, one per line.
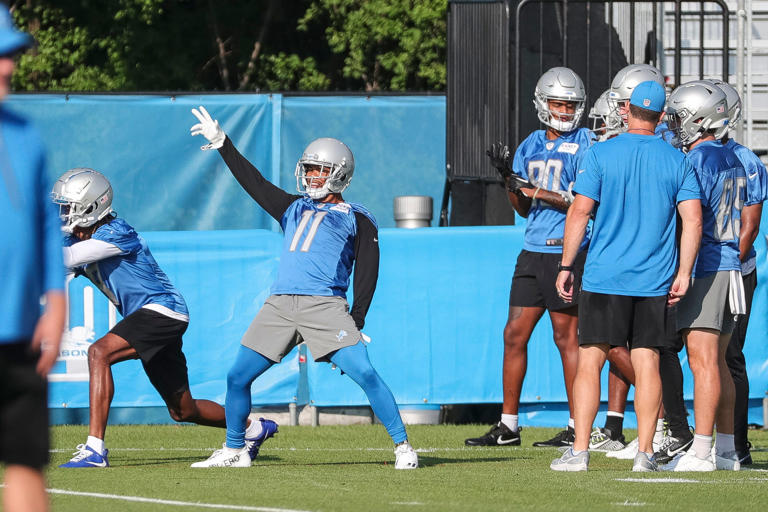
[539, 180]
[757, 192]
[698, 114]
[325, 237]
[108, 251]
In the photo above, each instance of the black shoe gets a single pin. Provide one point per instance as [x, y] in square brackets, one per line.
[670, 447]
[563, 438]
[499, 435]
[745, 457]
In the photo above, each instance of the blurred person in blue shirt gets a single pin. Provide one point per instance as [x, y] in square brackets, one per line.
[30, 256]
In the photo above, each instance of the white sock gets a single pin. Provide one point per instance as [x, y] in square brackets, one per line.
[660, 425]
[98, 444]
[702, 446]
[254, 429]
[510, 420]
[571, 423]
[724, 444]
[614, 413]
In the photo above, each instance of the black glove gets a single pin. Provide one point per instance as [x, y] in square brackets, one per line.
[500, 157]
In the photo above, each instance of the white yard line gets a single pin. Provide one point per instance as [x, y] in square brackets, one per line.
[155, 501]
[288, 449]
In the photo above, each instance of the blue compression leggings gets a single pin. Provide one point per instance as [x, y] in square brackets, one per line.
[353, 361]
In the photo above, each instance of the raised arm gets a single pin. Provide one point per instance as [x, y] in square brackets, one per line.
[366, 267]
[273, 199]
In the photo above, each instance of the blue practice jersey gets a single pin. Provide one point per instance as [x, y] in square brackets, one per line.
[551, 165]
[757, 178]
[637, 181]
[318, 248]
[30, 248]
[666, 134]
[132, 279]
[723, 185]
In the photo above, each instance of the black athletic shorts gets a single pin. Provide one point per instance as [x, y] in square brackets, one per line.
[621, 320]
[533, 284]
[23, 408]
[157, 340]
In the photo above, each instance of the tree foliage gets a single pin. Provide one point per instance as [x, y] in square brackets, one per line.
[246, 45]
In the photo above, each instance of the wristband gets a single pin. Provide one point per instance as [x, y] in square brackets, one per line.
[534, 194]
[567, 268]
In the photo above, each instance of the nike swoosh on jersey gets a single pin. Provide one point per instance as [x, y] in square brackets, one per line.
[101, 464]
[753, 175]
[499, 440]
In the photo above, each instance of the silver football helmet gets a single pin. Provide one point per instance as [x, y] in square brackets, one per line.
[695, 108]
[733, 100]
[559, 84]
[333, 157]
[84, 197]
[603, 121]
[625, 82]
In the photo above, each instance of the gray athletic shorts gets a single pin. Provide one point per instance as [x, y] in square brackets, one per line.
[284, 321]
[706, 305]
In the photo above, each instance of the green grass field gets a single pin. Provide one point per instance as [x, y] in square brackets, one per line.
[351, 468]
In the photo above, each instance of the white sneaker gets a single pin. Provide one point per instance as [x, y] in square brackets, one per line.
[626, 453]
[405, 456]
[727, 461]
[226, 458]
[688, 461]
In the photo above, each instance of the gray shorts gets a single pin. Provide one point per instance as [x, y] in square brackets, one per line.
[706, 304]
[284, 321]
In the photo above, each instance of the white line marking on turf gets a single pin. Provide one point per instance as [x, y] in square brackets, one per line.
[285, 449]
[660, 480]
[169, 502]
[628, 503]
[406, 503]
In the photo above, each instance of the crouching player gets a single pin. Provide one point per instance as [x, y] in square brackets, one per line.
[324, 237]
[108, 251]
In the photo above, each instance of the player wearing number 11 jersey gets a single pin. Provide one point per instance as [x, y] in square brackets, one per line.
[324, 237]
[539, 182]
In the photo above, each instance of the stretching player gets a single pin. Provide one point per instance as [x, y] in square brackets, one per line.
[698, 114]
[117, 260]
[324, 237]
[539, 184]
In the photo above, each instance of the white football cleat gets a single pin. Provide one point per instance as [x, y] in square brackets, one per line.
[688, 461]
[626, 453]
[405, 456]
[727, 461]
[226, 458]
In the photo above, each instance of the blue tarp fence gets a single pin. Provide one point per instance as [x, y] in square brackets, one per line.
[436, 324]
[437, 317]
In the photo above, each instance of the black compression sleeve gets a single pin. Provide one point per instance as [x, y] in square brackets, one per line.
[273, 199]
[366, 267]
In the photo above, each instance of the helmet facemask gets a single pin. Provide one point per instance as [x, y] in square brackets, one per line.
[84, 197]
[563, 122]
[317, 179]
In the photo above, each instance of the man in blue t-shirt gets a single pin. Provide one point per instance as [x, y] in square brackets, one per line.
[539, 183]
[30, 258]
[698, 113]
[109, 252]
[636, 182]
[324, 237]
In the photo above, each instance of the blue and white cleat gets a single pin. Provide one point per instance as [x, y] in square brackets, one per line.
[268, 429]
[87, 457]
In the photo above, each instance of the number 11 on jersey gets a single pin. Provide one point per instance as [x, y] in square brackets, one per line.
[305, 217]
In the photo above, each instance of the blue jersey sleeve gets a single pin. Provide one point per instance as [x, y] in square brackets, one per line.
[757, 177]
[119, 234]
[521, 155]
[588, 177]
[689, 183]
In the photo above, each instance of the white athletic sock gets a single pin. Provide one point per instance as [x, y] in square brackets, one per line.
[571, 423]
[702, 446]
[614, 413]
[724, 444]
[510, 420]
[254, 429]
[660, 425]
[98, 444]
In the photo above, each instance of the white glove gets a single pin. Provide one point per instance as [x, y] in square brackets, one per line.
[208, 128]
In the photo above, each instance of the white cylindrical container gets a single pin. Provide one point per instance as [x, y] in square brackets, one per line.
[413, 211]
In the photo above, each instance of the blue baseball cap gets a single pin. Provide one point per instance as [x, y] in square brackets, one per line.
[11, 40]
[649, 95]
